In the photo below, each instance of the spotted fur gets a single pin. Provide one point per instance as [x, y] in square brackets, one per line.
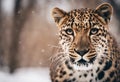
[89, 51]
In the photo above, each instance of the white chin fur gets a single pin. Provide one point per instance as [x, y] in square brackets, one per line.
[83, 67]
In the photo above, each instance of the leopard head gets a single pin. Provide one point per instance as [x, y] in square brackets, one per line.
[84, 34]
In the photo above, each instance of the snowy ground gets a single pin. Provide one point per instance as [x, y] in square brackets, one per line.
[26, 75]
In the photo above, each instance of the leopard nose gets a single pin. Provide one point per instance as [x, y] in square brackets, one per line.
[82, 52]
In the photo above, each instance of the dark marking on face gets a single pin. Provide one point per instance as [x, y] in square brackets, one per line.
[116, 64]
[92, 74]
[68, 66]
[97, 69]
[80, 76]
[60, 76]
[56, 80]
[115, 80]
[72, 60]
[112, 74]
[62, 72]
[96, 78]
[101, 75]
[107, 66]
[70, 74]
[91, 80]
[101, 62]
[73, 79]
[66, 80]
[85, 75]
[107, 80]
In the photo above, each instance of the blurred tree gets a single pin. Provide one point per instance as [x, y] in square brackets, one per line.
[92, 3]
[20, 17]
[2, 38]
[0, 11]
[1, 48]
[116, 7]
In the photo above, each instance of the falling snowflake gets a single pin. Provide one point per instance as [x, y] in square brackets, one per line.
[40, 63]
[33, 12]
[43, 50]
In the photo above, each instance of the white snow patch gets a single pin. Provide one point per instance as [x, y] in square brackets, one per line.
[26, 75]
[7, 6]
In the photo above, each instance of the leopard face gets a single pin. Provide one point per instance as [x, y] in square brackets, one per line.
[84, 35]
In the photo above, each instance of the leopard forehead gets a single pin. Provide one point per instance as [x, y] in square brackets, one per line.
[81, 14]
[79, 17]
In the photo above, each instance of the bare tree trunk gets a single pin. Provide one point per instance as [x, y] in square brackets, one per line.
[20, 17]
[1, 48]
[2, 38]
[0, 12]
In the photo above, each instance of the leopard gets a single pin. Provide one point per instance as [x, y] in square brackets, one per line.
[88, 50]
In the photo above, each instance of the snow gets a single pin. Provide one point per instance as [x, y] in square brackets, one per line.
[26, 75]
[7, 6]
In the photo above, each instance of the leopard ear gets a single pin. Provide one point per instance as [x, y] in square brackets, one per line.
[58, 15]
[105, 11]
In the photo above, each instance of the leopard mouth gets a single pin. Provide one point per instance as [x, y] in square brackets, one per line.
[82, 61]
[83, 64]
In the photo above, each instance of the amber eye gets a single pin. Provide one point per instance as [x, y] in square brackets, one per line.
[94, 31]
[69, 31]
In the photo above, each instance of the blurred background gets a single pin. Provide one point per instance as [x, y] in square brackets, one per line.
[28, 36]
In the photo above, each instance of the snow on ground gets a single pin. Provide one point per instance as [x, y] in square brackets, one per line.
[26, 75]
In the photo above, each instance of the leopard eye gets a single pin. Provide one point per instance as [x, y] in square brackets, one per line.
[69, 31]
[94, 31]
